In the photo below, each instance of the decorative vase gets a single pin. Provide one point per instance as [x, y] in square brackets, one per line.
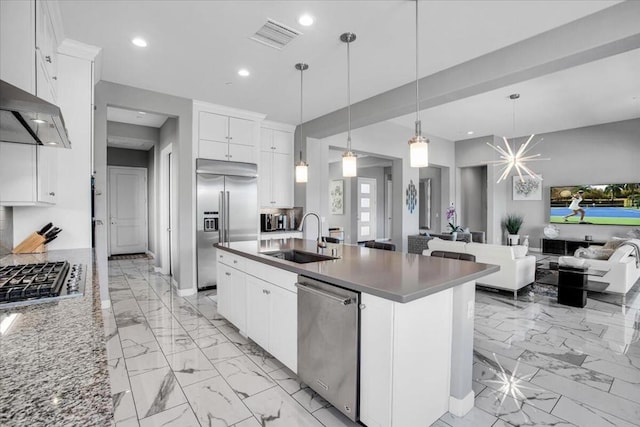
[513, 239]
[454, 235]
[526, 241]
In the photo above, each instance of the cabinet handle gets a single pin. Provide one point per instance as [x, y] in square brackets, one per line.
[266, 292]
[230, 138]
[48, 59]
[235, 261]
[227, 273]
[230, 156]
[219, 256]
[54, 78]
[52, 194]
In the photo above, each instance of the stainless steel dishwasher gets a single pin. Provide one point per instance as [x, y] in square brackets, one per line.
[329, 343]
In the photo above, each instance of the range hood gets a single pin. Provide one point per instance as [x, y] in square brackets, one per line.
[27, 119]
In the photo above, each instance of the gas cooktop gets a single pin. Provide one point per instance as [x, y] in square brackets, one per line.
[32, 283]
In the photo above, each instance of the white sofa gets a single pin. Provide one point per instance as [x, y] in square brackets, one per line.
[517, 269]
[623, 268]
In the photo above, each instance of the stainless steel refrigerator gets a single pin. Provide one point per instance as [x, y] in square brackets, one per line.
[227, 210]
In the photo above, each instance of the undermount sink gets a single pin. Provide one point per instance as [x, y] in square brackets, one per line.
[299, 257]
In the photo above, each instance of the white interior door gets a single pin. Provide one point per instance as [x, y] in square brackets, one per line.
[127, 210]
[366, 209]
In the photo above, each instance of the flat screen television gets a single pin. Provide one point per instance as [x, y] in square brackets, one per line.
[606, 204]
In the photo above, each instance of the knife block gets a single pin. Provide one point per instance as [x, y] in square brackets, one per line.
[34, 243]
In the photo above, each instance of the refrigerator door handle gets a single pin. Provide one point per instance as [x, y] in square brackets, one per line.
[223, 218]
[226, 213]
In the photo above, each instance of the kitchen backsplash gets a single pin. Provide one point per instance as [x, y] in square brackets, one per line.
[294, 214]
[6, 230]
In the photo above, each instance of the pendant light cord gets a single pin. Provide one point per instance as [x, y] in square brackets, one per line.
[348, 96]
[301, 86]
[417, 76]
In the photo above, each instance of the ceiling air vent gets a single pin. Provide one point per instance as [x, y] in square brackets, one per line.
[275, 34]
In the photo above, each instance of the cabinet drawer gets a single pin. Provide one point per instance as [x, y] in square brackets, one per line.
[232, 260]
[213, 150]
[276, 276]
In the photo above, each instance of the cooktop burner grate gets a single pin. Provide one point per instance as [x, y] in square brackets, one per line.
[29, 281]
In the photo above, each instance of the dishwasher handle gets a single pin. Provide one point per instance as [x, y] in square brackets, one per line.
[334, 297]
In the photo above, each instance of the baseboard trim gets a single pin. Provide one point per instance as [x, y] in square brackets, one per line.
[460, 407]
[105, 304]
[151, 254]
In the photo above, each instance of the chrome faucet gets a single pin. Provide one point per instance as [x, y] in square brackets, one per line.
[321, 244]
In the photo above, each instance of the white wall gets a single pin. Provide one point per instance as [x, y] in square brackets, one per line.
[72, 211]
[384, 140]
[600, 154]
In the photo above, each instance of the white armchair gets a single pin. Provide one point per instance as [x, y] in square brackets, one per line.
[623, 267]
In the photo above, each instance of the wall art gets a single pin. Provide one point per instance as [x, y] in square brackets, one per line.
[336, 197]
[529, 189]
[412, 196]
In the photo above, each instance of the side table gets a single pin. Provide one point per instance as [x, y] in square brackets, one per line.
[573, 282]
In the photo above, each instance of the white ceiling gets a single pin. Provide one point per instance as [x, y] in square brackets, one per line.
[133, 117]
[196, 47]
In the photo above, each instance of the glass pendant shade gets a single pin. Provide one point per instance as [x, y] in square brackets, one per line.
[349, 165]
[302, 172]
[419, 152]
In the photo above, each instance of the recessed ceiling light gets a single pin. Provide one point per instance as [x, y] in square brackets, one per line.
[305, 20]
[470, 132]
[140, 42]
[52, 143]
[243, 72]
[38, 121]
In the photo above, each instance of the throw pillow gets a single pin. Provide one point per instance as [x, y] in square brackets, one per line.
[614, 244]
[590, 253]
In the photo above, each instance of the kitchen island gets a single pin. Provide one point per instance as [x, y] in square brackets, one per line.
[53, 363]
[416, 319]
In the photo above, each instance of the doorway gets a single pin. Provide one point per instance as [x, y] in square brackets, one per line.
[128, 232]
[367, 208]
[167, 212]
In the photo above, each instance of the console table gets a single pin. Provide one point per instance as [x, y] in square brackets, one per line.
[566, 246]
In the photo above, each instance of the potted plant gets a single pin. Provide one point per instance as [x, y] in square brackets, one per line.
[451, 217]
[512, 224]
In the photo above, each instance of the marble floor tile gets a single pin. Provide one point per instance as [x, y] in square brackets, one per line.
[174, 342]
[626, 390]
[331, 417]
[310, 400]
[628, 373]
[118, 375]
[132, 348]
[123, 407]
[218, 348]
[606, 402]
[244, 376]
[249, 422]
[140, 333]
[145, 362]
[114, 347]
[201, 330]
[286, 379]
[129, 422]
[475, 418]
[275, 408]
[179, 416]
[260, 357]
[581, 414]
[512, 411]
[191, 366]
[155, 392]
[215, 403]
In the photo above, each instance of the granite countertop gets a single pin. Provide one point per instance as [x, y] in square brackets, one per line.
[396, 276]
[53, 363]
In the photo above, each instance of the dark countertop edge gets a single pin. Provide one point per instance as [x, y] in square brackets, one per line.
[289, 266]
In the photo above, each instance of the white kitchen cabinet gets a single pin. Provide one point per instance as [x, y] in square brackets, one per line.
[28, 175]
[232, 295]
[17, 41]
[47, 56]
[226, 138]
[276, 168]
[272, 319]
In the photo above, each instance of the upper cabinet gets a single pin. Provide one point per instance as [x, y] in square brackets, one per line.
[276, 165]
[226, 134]
[28, 175]
[28, 47]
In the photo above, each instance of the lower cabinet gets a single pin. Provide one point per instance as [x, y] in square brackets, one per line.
[232, 295]
[267, 312]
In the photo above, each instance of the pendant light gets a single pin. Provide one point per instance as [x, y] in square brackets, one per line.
[349, 159]
[516, 160]
[302, 167]
[418, 145]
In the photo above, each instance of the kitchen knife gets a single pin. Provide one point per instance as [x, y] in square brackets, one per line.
[50, 239]
[44, 229]
[52, 232]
